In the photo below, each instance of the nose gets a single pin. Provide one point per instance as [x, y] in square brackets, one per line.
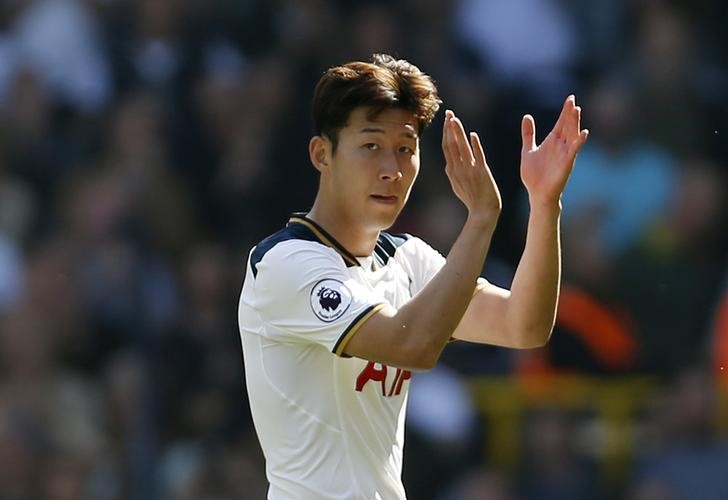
[389, 169]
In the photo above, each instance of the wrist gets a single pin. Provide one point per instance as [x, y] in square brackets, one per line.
[546, 205]
[483, 220]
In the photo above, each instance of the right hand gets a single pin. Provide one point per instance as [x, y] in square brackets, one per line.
[468, 172]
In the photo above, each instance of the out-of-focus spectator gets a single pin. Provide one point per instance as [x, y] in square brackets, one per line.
[51, 411]
[242, 114]
[65, 477]
[527, 44]
[670, 279]
[198, 366]
[60, 41]
[621, 184]
[651, 489]
[138, 159]
[480, 484]
[21, 447]
[619, 189]
[719, 340]
[591, 336]
[690, 460]
[18, 207]
[125, 285]
[34, 150]
[675, 92]
[149, 44]
[129, 464]
[11, 274]
[553, 468]
[306, 27]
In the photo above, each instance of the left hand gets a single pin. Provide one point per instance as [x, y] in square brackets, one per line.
[546, 168]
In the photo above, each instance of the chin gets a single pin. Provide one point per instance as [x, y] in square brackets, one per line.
[386, 221]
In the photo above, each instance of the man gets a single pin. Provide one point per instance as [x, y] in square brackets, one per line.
[335, 312]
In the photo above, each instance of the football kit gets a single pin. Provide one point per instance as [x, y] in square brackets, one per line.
[330, 426]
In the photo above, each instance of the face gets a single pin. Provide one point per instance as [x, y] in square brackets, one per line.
[367, 180]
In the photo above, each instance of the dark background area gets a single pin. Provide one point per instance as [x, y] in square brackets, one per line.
[146, 145]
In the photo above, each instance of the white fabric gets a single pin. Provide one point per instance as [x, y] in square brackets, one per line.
[321, 437]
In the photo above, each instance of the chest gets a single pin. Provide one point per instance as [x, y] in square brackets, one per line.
[390, 282]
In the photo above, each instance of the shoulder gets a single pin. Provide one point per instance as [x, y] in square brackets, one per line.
[288, 233]
[288, 248]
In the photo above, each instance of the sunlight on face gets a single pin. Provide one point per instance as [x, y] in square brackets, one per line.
[375, 164]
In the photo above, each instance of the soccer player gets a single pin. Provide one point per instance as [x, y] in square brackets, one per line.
[335, 313]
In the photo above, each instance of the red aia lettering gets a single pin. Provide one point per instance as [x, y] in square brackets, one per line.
[402, 375]
[372, 372]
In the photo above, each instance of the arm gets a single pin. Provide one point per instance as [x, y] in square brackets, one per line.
[524, 316]
[414, 335]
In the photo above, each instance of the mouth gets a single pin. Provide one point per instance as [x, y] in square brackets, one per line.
[386, 199]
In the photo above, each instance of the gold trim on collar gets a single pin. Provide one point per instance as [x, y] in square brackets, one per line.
[326, 240]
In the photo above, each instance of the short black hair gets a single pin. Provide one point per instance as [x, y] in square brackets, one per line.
[383, 83]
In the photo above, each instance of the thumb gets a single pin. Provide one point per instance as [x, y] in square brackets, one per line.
[528, 133]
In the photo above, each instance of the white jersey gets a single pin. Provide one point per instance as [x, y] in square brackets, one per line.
[331, 426]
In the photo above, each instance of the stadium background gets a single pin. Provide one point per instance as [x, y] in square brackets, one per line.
[146, 144]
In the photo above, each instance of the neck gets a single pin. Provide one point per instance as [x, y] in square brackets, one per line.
[349, 231]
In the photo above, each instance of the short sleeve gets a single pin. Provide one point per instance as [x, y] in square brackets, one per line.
[303, 293]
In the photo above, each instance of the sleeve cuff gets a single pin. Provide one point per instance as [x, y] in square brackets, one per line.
[354, 327]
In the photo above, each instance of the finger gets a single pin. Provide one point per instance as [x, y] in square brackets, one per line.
[528, 133]
[573, 124]
[478, 149]
[447, 148]
[577, 144]
[461, 141]
[567, 107]
[444, 134]
[583, 136]
[480, 155]
[453, 140]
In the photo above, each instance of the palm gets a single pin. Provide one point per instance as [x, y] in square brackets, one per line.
[546, 168]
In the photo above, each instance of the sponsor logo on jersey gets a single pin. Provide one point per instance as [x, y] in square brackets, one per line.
[377, 372]
[330, 299]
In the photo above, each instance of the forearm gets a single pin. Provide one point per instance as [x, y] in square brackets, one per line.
[434, 313]
[531, 310]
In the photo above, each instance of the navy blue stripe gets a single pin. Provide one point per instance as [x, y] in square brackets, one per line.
[338, 246]
[380, 255]
[290, 232]
[387, 245]
[351, 325]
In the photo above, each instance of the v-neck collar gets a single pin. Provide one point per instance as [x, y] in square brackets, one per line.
[324, 237]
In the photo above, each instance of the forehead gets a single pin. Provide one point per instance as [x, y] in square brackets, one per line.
[389, 120]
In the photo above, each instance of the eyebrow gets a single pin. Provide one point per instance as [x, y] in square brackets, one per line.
[409, 135]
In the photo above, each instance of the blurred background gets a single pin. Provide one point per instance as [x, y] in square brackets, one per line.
[145, 145]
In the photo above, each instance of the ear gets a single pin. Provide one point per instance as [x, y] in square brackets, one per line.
[319, 151]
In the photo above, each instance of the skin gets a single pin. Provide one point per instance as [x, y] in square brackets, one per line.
[365, 184]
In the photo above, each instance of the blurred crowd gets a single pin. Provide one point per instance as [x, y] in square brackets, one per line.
[145, 145]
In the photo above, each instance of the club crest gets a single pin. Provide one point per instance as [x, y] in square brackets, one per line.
[330, 299]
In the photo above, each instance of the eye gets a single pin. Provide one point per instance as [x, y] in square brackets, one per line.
[406, 149]
[371, 146]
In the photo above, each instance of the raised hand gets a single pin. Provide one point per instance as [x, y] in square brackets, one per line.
[467, 169]
[546, 168]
